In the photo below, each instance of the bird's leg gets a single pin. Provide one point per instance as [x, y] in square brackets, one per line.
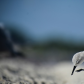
[79, 70]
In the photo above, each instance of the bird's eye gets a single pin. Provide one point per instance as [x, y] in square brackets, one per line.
[78, 61]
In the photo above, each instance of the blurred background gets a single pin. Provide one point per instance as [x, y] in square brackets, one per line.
[47, 31]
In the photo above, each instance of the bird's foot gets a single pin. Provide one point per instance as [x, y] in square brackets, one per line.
[79, 70]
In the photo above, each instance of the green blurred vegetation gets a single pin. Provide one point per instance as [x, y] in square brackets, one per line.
[51, 49]
[19, 36]
[59, 44]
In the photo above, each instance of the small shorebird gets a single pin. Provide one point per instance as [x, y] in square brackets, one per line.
[77, 59]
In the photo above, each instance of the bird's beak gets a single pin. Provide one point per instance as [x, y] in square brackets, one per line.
[73, 70]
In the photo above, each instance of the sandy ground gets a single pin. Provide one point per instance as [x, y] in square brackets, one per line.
[16, 71]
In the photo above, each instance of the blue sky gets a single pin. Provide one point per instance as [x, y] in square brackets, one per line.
[46, 18]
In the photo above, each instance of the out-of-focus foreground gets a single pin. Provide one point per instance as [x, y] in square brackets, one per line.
[17, 71]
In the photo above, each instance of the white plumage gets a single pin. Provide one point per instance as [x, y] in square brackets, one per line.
[77, 59]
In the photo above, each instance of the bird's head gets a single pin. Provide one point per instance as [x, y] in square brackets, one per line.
[77, 60]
